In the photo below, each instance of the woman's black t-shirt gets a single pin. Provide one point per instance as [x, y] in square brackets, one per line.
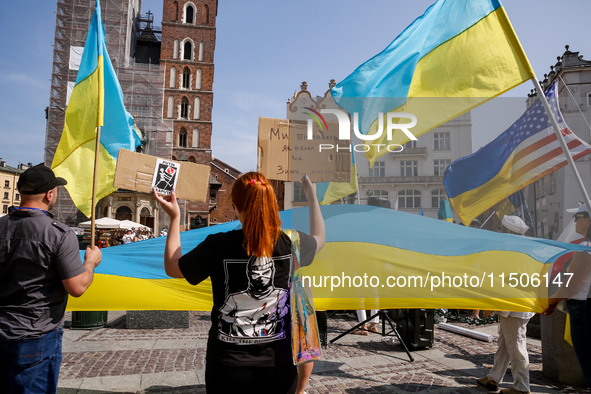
[251, 323]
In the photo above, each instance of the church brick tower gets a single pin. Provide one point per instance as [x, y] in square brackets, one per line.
[188, 45]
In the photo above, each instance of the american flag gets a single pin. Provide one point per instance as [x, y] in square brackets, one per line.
[524, 153]
[535, 146]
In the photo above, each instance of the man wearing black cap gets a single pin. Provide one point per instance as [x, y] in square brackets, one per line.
[39, 266]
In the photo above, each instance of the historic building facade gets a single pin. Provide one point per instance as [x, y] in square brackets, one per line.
[8, 180]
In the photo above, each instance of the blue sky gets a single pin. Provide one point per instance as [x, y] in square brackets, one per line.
[264, 50]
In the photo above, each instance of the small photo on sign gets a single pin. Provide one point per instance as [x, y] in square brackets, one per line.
[166, 174]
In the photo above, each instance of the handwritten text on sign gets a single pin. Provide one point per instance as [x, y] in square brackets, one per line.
[286, 154]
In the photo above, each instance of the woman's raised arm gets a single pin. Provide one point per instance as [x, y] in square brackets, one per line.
[172, 250]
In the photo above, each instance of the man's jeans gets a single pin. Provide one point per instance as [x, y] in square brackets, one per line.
[31, 365]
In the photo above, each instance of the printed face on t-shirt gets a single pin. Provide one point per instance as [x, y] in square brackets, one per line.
[261, 279]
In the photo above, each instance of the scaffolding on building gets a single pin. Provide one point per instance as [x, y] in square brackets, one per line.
[142, 84]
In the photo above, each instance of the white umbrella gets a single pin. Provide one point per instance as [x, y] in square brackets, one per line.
[130, 224]
[103, 223]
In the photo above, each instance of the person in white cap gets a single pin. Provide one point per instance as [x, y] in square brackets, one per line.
[512, 341]
[576, 294]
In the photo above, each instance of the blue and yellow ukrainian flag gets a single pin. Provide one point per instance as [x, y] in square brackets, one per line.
[329, 192]
[444, 212]
[96, 101]
[374, 258]
[463, 50]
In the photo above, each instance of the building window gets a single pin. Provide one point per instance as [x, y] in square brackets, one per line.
[589, 99]
[17, 197]
[197, 111]
[6, 195]
[298, 193]
[176, 11]
[183, 138]
[170, 112]
[201, 48]
[4, 208]
[410, 144]
[205, 15]
[6, 183]
[409, 168]
[377, 193]
[185, 108]
[441, 141]
[439, 166]
[175, 50]
[186, 78]
[542, 187]
[191, 159]
[552, 184]
[187, 50]
[409, 199]
[189, 14]
[378, 169]
[173, 77]
[437, 195]
[198, 79]
[196, 138]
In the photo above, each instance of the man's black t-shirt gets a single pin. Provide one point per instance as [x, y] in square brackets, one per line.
[251, 323]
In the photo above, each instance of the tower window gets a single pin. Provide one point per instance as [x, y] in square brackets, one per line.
[186, 77]
[188, 48]
[201, 49]
[173, 77]
[197, 111]
[183, 138]
[196, 138]
[198, 79]
[189, 14]
[185, 108]
[170, 107]
[175, 50]
[205, 15]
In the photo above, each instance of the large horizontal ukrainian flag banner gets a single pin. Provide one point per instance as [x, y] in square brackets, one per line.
[374, 258]
[525, 152]
[462, 50]
[96, 101]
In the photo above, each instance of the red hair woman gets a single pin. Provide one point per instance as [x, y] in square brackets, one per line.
[249, 346]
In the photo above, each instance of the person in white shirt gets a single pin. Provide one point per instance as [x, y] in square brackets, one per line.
[129, 237]
[512, 337]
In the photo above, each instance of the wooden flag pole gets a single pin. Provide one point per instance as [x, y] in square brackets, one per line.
[93, 212]
[569, 158]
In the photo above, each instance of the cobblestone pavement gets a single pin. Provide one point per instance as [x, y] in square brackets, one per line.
[116, 359]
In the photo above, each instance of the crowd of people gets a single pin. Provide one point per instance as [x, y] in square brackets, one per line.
[250, 336]
[130, 235]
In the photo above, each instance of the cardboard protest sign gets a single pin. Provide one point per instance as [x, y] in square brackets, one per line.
[139, 172]
[285, 153]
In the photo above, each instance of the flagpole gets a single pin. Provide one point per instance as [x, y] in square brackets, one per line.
[569, 158]
[488, 219]
[93, 212]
